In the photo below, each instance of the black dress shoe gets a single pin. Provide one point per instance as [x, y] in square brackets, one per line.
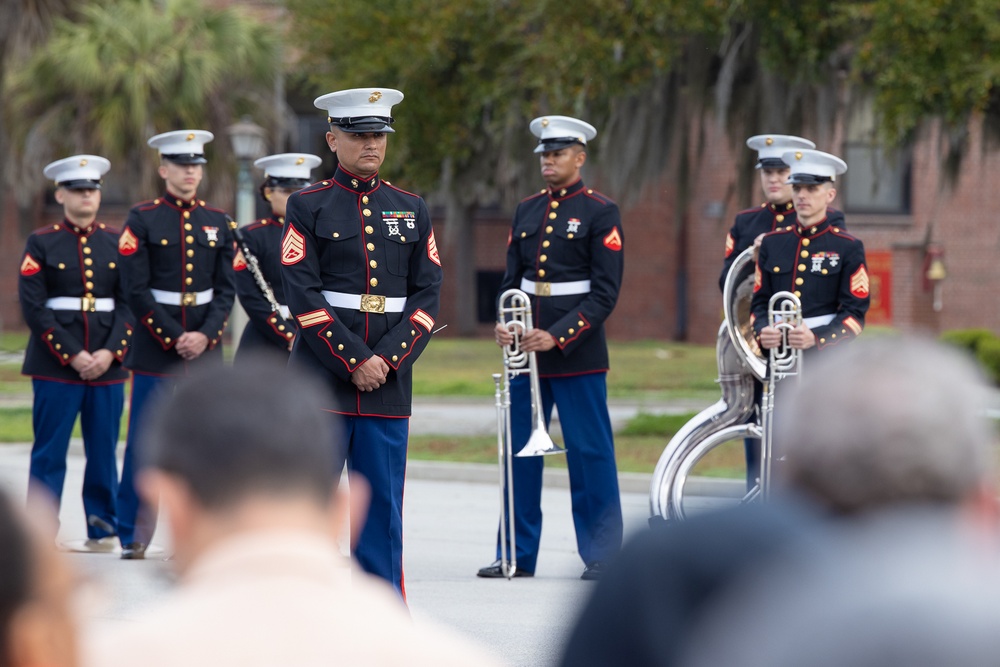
[134, 551]
[495, 571]
[594, 571]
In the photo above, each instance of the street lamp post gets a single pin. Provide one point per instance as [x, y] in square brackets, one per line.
[248, 141]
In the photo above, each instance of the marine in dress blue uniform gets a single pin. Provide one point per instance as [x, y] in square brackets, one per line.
[816, 260]
[72, 301]
[176, 256]
[362, 278]
[269, 330]
[566, 250]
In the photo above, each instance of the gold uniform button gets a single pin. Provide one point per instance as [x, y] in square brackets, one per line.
[548, 230]
[336, 235]
[289, 335]
[167, 339]
[190, 253]
[353, 360]
[83, 240]
[804, 254]
[562, 339]
[833, 335]
[799, 281]
[822, 340]
[211, 244]
[187, 214]
[281, 327]
[149, 321]
[111, 265]
[373, 264]
[836, 229]
[570, 235]
[188, 280]
[88, 273]
[824, 272]
[124, 342]
[86, 251]
[373, 282]
[802, 267]
[523, 234]
[572, 330]
[403, 239]
[553, 215]
[543, 258]
[779, 218]
[189, 267]
[119, 353]
[159, 330]
[395, 358]
[562, 193]
[65, 356]
[89, 285]
[413, 332]
[189, 239]
[273, 320]
[541, 273]
[179, 202]
[156, 201]
[89, 295]
[590, 192]
[805, 242]
[329, 334]
[128, 332]
[187, 226]
[580, 323]
[371, 246]
[61, 265]
[367, 212]
[56, 227]
[340, 347]
[369, 229]
[546, 244]
[777, 270]
[58, 346]
[49, 337]
[163, 242]
[798, 293]
[555, 204]
[364, 200]
[403, 345]
[88, 261]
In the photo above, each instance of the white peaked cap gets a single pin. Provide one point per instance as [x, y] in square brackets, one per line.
[770, 147]
[555, 132]
[79, 171]
[360, 110]
[185, 146]
[811, 167]
[289, 165]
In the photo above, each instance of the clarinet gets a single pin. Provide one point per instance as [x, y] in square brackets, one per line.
[253, 265]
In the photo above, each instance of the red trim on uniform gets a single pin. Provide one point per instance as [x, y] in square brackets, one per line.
[432, 249]
[613, 241]
[335, 353]
[730, 244]
[586, 325]
[52, 349]
[293, 247]
[152, 331]
[239, 262]
[859, 283]
[366, 414]
[423, 319]
[127, 242]
[313, 318]
[569, 375]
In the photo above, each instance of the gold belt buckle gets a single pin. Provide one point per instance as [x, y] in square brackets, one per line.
[372, 303]
[189, 299]
[88, 304]
[543, 289]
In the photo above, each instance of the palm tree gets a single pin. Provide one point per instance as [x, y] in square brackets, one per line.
[127, 69]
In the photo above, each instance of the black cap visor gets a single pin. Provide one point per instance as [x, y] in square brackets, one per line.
[185, 158]
[81, 184]
[363, 124]
[808, 179]
[771, 163]
[557, 143]
[290, 183]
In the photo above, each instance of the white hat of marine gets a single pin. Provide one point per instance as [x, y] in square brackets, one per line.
[360, 110]
[555, 132]
[770, 148]
[78, 171]
[811, 167]
[185, 146]
[289, 165]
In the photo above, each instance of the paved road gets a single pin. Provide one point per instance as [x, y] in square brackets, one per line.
[450, 528]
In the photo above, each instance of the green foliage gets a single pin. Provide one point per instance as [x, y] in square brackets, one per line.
[982, 344]
[664, 426]
[126, 69]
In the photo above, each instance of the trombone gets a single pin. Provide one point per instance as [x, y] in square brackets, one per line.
[514, 314]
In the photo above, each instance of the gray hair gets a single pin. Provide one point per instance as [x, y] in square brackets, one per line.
[884, 421]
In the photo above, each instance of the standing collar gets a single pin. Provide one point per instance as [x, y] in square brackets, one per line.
[781, 208]
[79, 231]
[176, 202]
[818, 228]
[562, 193]
[275, 219]
[349, 181]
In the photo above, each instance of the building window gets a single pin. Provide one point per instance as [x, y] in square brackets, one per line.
[877, 179]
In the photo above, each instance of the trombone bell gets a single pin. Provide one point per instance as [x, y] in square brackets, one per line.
[540, 444]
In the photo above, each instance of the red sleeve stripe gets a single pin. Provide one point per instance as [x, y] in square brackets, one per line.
[307, 320]
[423, 319]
